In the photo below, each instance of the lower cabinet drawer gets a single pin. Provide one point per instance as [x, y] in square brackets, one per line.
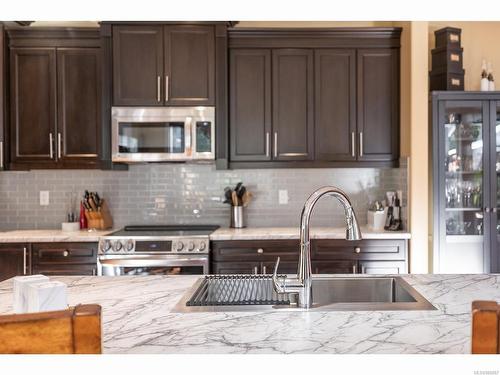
[64, 252]
[383, 267]
[235, 268]
[258, 251]
[333, 267]
[66, 270]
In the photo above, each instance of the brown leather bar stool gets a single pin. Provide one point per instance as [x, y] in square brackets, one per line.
[76, 330]
[485, 327]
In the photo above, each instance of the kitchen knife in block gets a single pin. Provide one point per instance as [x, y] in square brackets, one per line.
[101, 219]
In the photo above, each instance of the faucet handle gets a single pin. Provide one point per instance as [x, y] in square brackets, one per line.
[278, 282]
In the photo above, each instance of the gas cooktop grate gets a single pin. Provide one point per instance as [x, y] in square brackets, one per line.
[219, 290]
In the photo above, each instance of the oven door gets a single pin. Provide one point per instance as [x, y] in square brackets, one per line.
[150, 134]
[167, 264]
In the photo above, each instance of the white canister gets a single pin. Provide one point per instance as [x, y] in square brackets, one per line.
[48, 296]
[485, 84]
[376, 220]
[20, 284]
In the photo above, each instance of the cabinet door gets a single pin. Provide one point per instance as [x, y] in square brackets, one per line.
[236, 268]
[189, 65]
[66, 270]
[138, 65]
[14, 261]
[462, 185]
[250, 104]
[382, 267]
[79, 104]
[33, 104]
[494, 172]
[335, 104]
[335, 267]
[378, 104]
[293, 120]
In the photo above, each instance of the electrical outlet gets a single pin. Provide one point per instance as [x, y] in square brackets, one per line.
[283, 196]
[44, 198]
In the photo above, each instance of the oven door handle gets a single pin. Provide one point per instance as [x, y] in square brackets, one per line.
[170, 261]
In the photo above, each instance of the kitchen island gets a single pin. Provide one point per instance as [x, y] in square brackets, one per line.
[137, 318]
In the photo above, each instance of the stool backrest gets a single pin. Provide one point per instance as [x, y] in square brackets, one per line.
[76, 330]
[485, 328]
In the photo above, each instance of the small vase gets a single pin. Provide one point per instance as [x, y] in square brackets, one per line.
[491, 85]
[485, 84]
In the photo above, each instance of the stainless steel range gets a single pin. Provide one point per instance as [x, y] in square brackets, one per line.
[157, 250]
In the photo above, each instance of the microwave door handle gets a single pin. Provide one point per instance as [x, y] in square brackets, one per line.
[188, 134]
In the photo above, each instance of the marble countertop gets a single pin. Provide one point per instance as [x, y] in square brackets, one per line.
[52, 235]
[137, 319]
[291, 233]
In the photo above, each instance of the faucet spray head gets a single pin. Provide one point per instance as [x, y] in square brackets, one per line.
[352, 228]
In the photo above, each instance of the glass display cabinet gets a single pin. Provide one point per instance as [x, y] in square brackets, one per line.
[466, 192]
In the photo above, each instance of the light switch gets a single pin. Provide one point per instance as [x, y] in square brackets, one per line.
[44, 198]
[283, 196]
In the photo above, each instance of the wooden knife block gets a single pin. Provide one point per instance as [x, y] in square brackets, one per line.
[99, 219]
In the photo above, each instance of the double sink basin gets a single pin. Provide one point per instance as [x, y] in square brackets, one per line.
[254, 293]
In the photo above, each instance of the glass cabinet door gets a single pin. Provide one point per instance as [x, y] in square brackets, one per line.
[462, 188]
[495, 261]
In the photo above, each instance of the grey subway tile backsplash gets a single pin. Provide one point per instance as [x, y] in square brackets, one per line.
[191, 194]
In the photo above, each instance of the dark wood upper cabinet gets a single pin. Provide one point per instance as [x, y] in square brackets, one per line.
[250, 104]
[335, 104]
[55, 98]
[189, 65]
[293, 120]
[33, 104]
[156, 65]
[335, 97]
[79, 103]
[378, 104]
[138, 65]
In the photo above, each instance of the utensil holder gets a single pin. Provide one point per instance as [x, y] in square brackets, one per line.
[238, 217]
[99, 219]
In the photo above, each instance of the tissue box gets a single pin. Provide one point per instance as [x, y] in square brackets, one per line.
[46, 296]
[20, 284]
[376, 219]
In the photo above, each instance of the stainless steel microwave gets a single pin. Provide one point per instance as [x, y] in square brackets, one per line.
[159, 134]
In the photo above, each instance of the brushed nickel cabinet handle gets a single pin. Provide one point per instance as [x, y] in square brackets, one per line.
[158, 89]
[93, 272]
[275, 144]
[360, 143]
[267, 144]
[166, 89]
[65, 253]
[51, 146]
[354, 270]
[59, 146]
[363, 269]
[1, 154]
[353, 144]
[255, 270]
[260, 251]
[264, 270]
[357, 250]
[25, 262]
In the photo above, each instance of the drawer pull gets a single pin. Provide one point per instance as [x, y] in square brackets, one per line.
[264, 270]
[357, 250]
[255, 270]
[260, 251]
[65, 253]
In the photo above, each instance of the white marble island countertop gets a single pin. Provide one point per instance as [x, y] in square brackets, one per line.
[137, 319]
[292, 233]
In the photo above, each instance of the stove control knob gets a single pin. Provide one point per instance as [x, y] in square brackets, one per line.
[191, 246]
[118, 246]
[179, 246]
[202, 246]
[106, 246]
[129, 246]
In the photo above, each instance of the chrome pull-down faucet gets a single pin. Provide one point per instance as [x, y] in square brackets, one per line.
[302, 284]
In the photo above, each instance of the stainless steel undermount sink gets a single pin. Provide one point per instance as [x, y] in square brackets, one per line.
[255, 293]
